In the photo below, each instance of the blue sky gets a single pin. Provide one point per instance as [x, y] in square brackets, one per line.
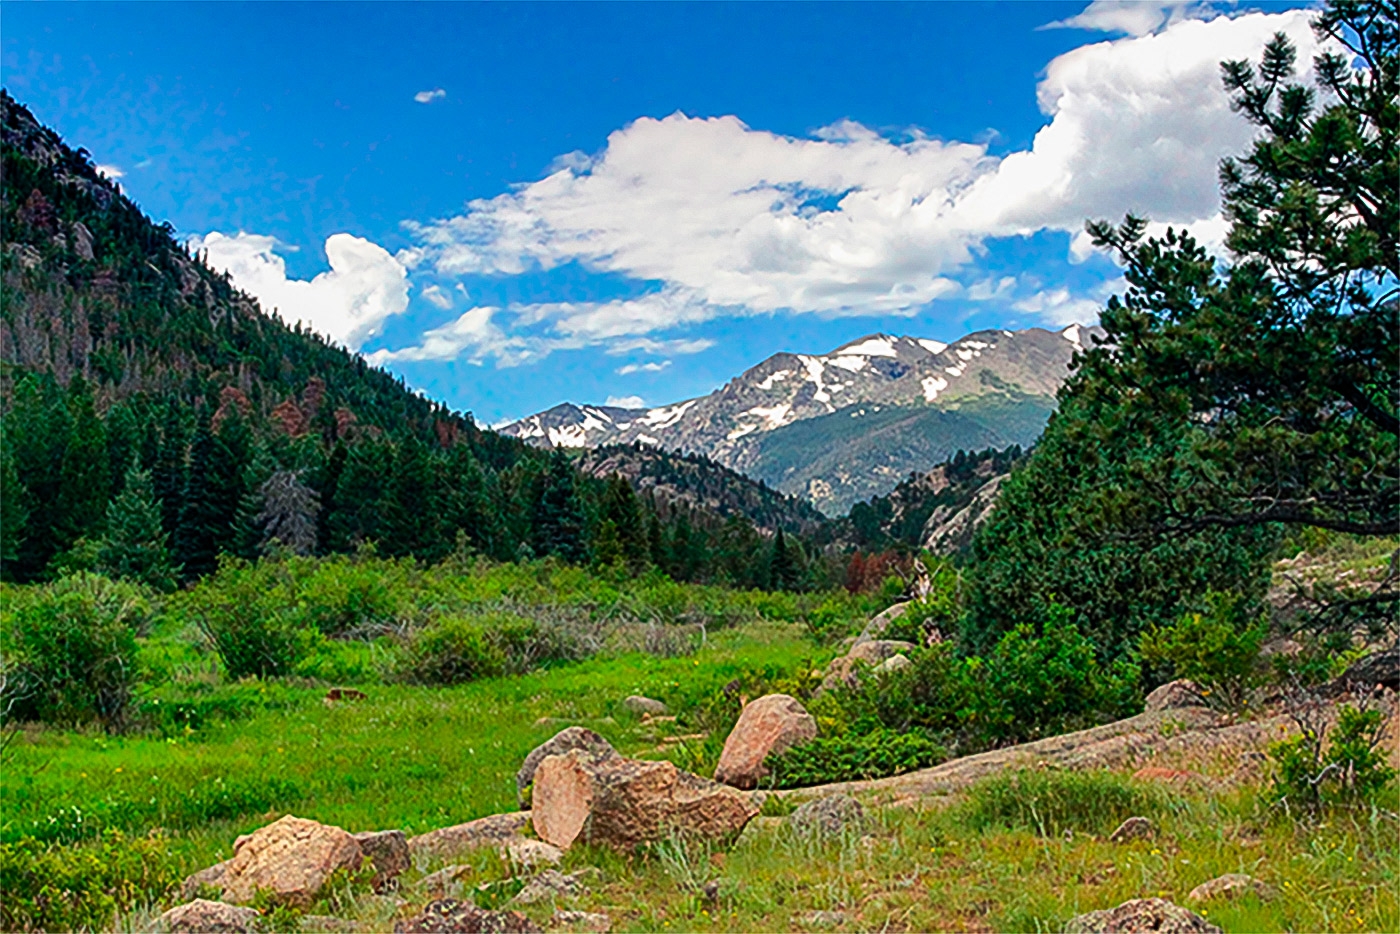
[517, 205]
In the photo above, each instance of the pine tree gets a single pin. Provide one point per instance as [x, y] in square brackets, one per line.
[168, 476]
[134, 545]
[558, 517]
[36, 436]
[83, 481]
[14, 513]
[621, 515]
[783, 570]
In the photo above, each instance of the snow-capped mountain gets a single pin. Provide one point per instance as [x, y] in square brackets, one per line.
[869, 412]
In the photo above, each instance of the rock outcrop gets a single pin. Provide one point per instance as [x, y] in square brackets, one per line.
[202, 916]
[498, 830]
[767, 726]
[875, 629]
[566, 740]
[624, 803]
[387, 851]
[1142, 916]
[1174, 695]
[290, 860]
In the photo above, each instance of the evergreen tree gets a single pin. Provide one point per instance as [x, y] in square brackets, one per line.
[558, 517]
[134, 545]
[214, 493]
[784, 572]
[626, 530]
[14, 513]
[83, 480]
[355, 511]
[168, 476]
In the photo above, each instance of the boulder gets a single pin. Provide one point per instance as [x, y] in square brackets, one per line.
[880, 622]
[645, 705]
[1134, 828]
[1174, 695]
[531, 854]
[449, 916]
[624, 803]
[387, 851]
[842, 671]
[894, 663]
[496, 830]
[291, 860]
[767, 726]
[828, 817]
[1232, 885]
[201, 916]
[1142, 916]
[567, 740]
[211, 878]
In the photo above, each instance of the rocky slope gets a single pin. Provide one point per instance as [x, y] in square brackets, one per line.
[871, 412]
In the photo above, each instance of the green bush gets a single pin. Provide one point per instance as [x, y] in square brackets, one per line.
[451, 651]
[1040, 685]
[250, 624]
[70, 651]
[1052, 802]
[1217, 649]
[81, 888]
[1341, 767]
[852, 758]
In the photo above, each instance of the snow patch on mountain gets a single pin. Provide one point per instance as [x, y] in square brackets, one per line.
[870, 347]
[933, 347]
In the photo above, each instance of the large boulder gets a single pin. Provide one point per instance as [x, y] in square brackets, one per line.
[1142, 916]
[566, 740]
[210, 880]
[767, 726]
[875, 629]
[291, 860]
[498, 830]
[202, 916]
[624, 803]
[875, 652]
[448, 916]
[1174, 695]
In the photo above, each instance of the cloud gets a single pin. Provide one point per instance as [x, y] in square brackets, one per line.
[1058, 307]
[627, 402]
[111, 171]
[654, 367]
[364, 286]
[1134, 17]
[473, 336]
[438, 296]
[731, 220]
[427, 97]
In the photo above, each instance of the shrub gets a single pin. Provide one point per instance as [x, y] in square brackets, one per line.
[1342, 767]
[1042, 685]
[1217, 649]
[1052, 802]
[249, 624]
[81, 888]
[71, 651]
[451, 651]
[852, 758]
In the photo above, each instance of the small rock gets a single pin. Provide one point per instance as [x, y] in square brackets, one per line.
[567, 740]
[767, 726]
[449, 916]
[523, 851]
[550, 884]
[640, 705]
[439, 884]
[820, 919]
[1142, 916]
[496, 830]
[1174, 695]
[343, 694]
[1232, 885]
[1134, 828]
[590, 921]
[828, 817]
[202, 915]
[387, 851]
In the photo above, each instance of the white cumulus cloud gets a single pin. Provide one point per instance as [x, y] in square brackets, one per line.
[364, 286]
[627, 402]
[427, 97]
[651, 367]
[1134, 17]
[733, 220]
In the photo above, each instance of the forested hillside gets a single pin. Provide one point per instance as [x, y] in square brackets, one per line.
[155, 417]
